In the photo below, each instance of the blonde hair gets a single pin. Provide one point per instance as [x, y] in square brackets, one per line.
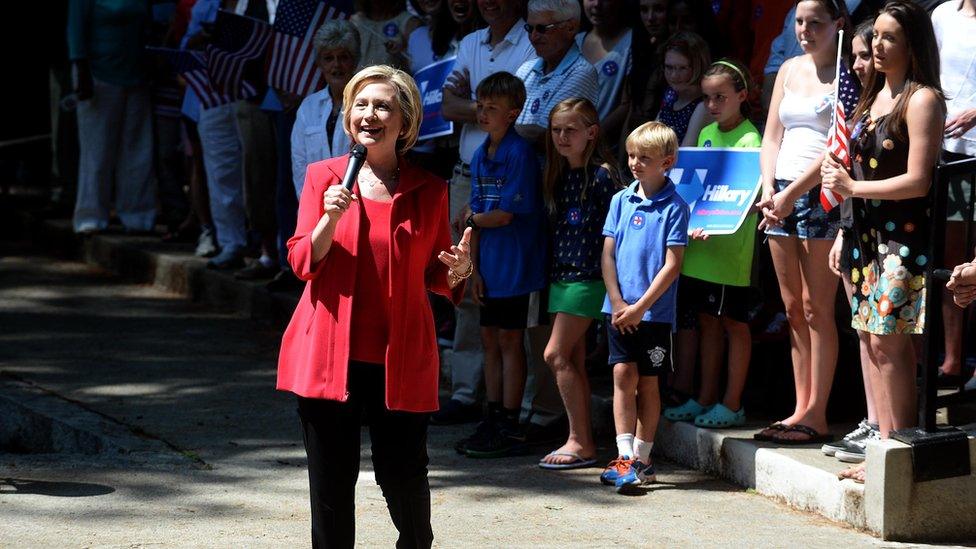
[595, 154]
[654, 138]
[407, 99]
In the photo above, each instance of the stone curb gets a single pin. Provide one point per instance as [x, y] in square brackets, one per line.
[36, 421]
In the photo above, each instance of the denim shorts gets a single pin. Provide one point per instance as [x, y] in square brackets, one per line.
[808, 220]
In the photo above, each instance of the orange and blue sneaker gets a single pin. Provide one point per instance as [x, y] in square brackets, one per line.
[637, 475]
[616, 469]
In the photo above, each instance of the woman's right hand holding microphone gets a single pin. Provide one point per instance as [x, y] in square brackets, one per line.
[336, 201]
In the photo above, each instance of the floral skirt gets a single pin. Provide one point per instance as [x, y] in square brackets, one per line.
[888, 275]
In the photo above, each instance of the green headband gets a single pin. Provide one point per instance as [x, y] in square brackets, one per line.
[745, 83]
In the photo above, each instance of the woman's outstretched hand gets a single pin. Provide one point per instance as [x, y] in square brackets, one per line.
[458, 259]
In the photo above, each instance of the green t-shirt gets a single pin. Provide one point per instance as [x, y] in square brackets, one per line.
[725, 259]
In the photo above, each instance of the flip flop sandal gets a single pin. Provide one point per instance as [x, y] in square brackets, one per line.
[767, 433]
[686, 412]
[579, 462]
[721, 417]
[813, 437]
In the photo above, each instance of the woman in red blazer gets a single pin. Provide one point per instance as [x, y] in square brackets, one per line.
[361, 344]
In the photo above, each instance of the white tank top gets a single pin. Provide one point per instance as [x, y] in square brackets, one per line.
[806, 120]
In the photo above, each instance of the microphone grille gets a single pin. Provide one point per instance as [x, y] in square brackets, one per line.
[358, 150]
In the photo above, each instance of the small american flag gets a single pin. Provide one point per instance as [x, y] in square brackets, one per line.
[838, 137]
[292, 67]
[192, 67]
[237, 42]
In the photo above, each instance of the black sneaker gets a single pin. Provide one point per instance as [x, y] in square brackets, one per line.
[455, 412]
[505, 441]
[484, 431]
[285, 281]
[257, 271]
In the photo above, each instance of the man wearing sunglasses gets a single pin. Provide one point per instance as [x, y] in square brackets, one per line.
[560, 72]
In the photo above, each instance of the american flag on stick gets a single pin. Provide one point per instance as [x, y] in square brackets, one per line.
[846, 93]
[238, 42]
[192, 67]
[292, 67]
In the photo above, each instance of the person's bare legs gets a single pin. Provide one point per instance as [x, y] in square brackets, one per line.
[785, 252]
[896, 366]
[625, 381]
[493, 365]
[819, 295]
[565, 354]
[863, 347]
[712, 350]
[740, 352]
[512, 347]
[648, 408]
[952, 316]
[685, 351]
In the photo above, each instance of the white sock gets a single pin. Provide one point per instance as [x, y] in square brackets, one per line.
[625, 445]
[643, 450]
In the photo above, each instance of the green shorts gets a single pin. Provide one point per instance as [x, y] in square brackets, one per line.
[583, 298]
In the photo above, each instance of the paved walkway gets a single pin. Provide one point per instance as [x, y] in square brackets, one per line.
[202, 383]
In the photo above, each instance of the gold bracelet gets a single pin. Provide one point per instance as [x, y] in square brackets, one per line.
[459, 277]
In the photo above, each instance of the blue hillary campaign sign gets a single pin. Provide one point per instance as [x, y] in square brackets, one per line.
[430, 80]
[720, 186]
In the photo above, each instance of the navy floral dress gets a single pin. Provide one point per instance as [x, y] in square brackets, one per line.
[890, 253]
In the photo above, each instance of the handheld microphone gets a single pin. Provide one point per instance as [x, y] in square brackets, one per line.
[356, 158]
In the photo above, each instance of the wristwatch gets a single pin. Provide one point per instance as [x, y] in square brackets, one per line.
[469, 222]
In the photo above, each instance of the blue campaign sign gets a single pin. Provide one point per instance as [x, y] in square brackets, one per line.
[430, 80]
[720, 186]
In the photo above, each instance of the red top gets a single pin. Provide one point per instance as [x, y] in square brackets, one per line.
[314, 359]
[368, 337]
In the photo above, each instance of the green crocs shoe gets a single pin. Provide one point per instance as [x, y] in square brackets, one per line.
[686, 412]
[720, 417]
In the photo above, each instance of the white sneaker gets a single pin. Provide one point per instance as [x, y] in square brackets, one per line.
[206, 243]
[862, 431]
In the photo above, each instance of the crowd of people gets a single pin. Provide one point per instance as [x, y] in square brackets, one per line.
[568, 116]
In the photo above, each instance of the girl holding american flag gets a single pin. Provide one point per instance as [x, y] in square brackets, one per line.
[894, 147]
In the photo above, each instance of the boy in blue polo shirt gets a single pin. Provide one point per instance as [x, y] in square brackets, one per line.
[508, 250]
[646, 232]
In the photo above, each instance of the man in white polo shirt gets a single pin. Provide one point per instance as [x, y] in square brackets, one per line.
[559, 73]
[502, 46]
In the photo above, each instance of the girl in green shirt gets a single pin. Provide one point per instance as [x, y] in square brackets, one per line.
[717, 271]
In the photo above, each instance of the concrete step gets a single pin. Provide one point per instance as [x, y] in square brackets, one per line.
[169, 267]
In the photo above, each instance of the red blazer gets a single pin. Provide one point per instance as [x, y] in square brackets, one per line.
[314, 355]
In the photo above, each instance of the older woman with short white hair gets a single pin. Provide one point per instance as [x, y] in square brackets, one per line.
[317, 133]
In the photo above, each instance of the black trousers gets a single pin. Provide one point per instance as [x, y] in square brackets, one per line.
[331, 430]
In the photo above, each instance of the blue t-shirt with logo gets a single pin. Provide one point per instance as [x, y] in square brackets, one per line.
[511, 259]
[642, 229]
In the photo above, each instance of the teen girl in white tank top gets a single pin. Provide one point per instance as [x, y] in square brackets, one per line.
[806, 119]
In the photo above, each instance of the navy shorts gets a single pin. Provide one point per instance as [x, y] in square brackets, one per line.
[808, 220]
[649, 347]
[718, 300]
[516, 312]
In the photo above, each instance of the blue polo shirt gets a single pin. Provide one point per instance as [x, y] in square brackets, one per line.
[511, 259]
[642, 230]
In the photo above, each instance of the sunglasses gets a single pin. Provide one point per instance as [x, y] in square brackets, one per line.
[542, 29]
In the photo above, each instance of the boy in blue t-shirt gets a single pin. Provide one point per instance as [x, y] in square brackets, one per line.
[646, 232]
[508, 250]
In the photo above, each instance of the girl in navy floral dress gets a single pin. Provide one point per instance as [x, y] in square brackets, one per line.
[578, 185]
